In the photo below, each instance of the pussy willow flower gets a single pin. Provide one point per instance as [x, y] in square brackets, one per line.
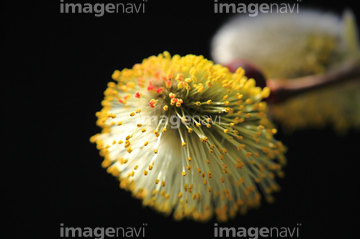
[288, 46]
[219, 158]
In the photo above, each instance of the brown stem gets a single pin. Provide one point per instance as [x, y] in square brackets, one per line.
[282, 90]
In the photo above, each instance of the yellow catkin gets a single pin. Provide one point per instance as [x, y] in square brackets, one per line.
[228, 162]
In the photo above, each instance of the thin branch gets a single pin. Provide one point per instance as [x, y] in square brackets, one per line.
[282, 90]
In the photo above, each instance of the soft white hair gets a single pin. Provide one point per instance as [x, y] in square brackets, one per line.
[277, 37]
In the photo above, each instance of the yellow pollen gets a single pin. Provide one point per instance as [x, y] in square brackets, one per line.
[193, 71]
[248, 101]
[193, 78]
[111, 115]
[179, 77]
[180, 85]
[265, 92]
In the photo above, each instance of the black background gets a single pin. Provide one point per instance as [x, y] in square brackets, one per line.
[59, 65]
